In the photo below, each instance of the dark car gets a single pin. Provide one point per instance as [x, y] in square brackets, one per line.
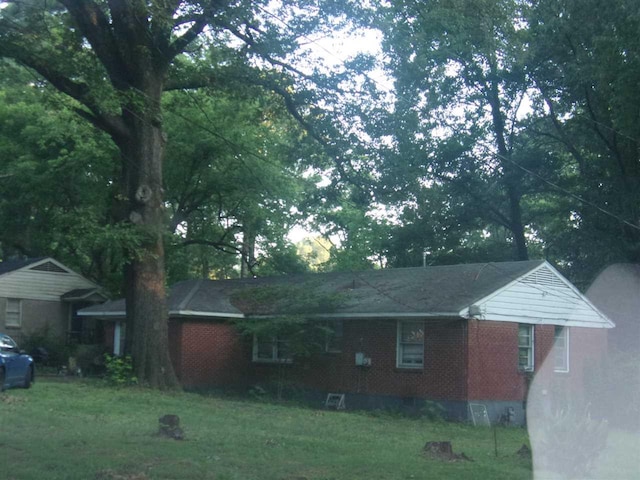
[16, 367]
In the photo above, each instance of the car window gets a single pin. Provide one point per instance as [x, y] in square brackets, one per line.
[7, 343]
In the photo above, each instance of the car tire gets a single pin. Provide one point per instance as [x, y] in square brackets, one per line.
[28, 378]
[1, 379]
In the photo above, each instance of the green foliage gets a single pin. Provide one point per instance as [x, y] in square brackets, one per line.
[248, 182]
[298, 335]
[57, 348]
[119, 370]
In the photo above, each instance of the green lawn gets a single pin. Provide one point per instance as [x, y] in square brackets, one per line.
[81, 430]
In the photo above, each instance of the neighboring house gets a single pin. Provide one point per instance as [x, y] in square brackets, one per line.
[39, 295]
[458, 335]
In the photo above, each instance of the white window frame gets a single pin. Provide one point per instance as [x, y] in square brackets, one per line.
[13, 307]
[400, 346]
[275, 342]
[528, 346]
[561, 347]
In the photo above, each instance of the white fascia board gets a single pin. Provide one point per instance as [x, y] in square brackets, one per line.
[172, 313]
[355, 316]
[94, 291]
[560, 322]
[102, 314]
[192, 313]
[196, 313]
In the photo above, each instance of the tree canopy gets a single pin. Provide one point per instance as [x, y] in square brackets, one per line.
[148, 142]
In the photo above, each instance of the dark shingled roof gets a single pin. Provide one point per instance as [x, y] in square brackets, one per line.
[440, 290]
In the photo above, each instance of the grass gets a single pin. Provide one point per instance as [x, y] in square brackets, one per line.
[82, 430]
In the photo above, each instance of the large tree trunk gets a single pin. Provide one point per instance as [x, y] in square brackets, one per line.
[147, 314]
[512, 177]
[248, 252]
[517, 228]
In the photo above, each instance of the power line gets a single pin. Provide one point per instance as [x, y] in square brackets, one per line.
[402, 99]
[567, 192]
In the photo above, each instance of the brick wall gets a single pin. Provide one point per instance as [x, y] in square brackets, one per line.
[208, 353]
[441, 378]
[493, 360]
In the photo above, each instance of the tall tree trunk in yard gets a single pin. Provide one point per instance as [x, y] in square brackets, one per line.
[147, 314]
[113, 59]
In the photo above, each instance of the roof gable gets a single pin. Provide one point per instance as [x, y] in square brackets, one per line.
[541, 296]
[40, 279]
[50, 266]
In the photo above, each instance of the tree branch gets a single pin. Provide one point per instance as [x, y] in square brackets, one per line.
[96, 28]
[180, 43]
[223, 247]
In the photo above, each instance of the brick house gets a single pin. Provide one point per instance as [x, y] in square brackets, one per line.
[458, 335]
[38, 294]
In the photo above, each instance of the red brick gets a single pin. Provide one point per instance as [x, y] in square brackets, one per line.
[464, 360]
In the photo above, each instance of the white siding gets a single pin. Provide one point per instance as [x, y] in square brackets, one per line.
[35, 285]
[541, 297]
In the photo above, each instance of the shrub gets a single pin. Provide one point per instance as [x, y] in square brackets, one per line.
[90, 359]
[119, 370]
[57, 349]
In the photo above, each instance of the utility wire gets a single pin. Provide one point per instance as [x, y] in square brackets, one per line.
[567, 192]
[404, 100]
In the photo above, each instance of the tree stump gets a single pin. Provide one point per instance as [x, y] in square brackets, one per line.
[443, 451]
[170, 427]
[438, 449]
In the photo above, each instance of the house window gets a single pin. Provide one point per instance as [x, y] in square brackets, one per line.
[271, 350]
[561, 349]
[525, 347]
[13, 316]
[334, 336]
[410, 345]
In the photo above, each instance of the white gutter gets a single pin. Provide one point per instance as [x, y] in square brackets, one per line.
[452, 315]
[193, 313]
[175, 313]
[102, 314]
